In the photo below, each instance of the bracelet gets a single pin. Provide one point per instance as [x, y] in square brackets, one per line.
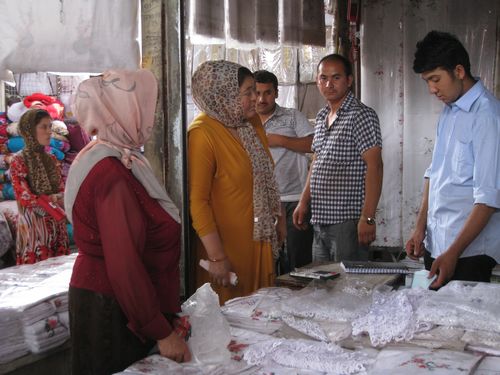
[218, 260]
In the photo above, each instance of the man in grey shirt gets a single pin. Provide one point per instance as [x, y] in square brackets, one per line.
[290, 136]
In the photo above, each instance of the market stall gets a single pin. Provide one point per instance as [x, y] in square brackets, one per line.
[354, 324]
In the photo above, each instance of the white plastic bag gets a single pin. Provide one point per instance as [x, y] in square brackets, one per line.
[210, 334]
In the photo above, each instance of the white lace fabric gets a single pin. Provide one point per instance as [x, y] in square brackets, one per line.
[473, 306]
[334, 305]
[307, 327]
[306, 354]
[391, 317]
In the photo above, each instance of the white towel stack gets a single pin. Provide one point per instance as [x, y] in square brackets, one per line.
[12, 344]
[45, 334]
[33, 307]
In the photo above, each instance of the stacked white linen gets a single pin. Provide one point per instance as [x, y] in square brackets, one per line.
[12, 344]
[31, 297]
[45, 334]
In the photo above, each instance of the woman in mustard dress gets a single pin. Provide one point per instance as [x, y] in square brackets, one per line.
[234, 199]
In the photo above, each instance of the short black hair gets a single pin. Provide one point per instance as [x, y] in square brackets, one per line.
[440, 50]
[264, 76]
[335, 57]
[243, 73]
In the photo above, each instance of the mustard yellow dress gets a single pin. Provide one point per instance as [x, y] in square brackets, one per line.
[221, 199]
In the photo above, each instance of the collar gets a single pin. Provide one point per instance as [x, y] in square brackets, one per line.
[346, 104]
[277, 112]
[467, 100]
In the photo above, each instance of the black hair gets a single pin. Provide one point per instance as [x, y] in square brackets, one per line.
[264, 76]
[39, 115]
[243, 73]
[440, 50]
[339, 58]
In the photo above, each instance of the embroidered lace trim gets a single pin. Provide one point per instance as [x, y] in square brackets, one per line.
[305, 354]
[391, 317]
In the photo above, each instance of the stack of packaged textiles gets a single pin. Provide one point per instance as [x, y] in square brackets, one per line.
[12, 344]
[34, 307]
[45, 324]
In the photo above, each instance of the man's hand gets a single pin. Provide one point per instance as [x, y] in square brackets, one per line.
[444, 266]
[366, 232]
[174, 348]
[415, 245]
[299, 215]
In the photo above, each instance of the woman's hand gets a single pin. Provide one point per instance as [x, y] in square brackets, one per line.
[174, 348]
[57, 199]
[219, 271]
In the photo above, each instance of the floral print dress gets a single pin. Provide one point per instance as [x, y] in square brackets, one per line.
[39, 235]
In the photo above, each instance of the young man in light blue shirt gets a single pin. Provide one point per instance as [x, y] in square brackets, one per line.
[458, 226]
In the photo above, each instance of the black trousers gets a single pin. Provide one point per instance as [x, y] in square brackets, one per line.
[297, 251]
[101, 343]
[474, 268]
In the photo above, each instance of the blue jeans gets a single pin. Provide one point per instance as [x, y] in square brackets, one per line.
[338, 242]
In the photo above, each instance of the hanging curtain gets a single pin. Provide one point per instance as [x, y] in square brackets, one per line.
[291, 22]
[248, 22]
[69, 36]
[207, 21]
[313, 22]
[240, 23]
[266, 27]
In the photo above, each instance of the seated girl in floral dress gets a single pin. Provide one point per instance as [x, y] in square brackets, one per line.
[35, 173]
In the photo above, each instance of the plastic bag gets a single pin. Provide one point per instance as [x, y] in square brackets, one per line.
[210, 334]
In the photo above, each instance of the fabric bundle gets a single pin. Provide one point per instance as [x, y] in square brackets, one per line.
[33, 307]
[12, 344]
[45, 334]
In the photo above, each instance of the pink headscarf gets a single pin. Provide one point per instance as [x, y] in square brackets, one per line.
[118, 107]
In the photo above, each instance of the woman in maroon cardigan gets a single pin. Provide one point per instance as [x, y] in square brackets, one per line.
[124, 291]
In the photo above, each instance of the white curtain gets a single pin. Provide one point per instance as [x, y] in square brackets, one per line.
[408, 113]
[69, 36]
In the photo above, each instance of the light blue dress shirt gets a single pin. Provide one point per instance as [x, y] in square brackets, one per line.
[465, 170]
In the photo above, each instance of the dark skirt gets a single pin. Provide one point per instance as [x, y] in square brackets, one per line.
[101, 343]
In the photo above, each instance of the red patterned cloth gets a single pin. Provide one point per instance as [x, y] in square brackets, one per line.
[39, 235]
